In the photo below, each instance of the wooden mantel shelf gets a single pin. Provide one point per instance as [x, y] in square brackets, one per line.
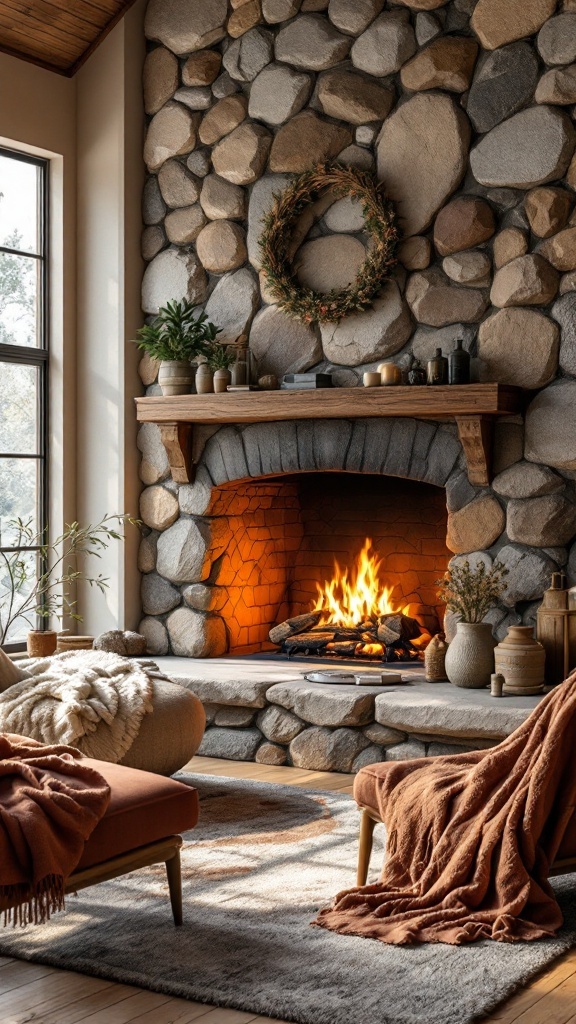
[473, 406]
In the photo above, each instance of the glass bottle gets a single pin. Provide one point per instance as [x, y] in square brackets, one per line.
[240, 367]
[459, 365]
[417, 373]
[437, 369]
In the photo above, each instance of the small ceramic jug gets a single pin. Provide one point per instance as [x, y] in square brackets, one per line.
[520, 659]
[204, 380]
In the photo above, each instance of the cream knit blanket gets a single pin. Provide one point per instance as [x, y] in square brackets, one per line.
[91, 700]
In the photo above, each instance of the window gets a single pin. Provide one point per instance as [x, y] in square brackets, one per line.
[23, 359]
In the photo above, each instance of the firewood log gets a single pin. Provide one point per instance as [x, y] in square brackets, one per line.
[292, 627]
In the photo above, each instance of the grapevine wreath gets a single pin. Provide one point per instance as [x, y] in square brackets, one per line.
[276, 243]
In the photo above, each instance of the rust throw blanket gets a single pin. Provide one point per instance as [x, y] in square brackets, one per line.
[44, 822]
[470, 839]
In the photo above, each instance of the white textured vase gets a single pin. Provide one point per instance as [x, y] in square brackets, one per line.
[470, 656]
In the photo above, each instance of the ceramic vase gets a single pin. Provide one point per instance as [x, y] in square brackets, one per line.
[204, 380]
[470, 655]
[520, 659]
[41, 643]
[175, 377]
[222, 378]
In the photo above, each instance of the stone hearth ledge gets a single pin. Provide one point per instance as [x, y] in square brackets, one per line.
[259, 709]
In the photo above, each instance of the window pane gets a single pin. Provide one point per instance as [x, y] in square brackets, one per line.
[18, 409]
[24, 568]
[18, 497]
[19, 317]
[19, 221]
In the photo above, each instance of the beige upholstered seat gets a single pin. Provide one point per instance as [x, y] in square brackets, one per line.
[169, 736]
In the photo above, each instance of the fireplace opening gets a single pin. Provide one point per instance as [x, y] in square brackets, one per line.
[331, 565]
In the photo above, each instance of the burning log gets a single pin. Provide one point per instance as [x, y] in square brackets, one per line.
[307, 643]
[292, 627]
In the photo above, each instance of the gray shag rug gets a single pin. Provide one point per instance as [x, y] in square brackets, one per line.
[262, 861]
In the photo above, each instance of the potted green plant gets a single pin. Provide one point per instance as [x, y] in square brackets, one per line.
[220, 359]
[176, 336]
[471, 592]
[40, 583]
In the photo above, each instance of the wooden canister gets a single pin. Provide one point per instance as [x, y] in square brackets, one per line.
[520, 659]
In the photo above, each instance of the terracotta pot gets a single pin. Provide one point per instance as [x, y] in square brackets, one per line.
[175, 377]
[520, 659]
[41, 643]
[204, 380]
[222, 378]
[470, 656]
[74, 643]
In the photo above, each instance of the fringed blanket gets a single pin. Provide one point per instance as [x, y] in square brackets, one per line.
[44, 823]
[471, 838]
[92, 700]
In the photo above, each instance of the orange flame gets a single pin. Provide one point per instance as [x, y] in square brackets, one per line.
[350, 600]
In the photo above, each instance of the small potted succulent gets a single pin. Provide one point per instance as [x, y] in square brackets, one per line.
[176, 336]
[471, 592]
[220, 359]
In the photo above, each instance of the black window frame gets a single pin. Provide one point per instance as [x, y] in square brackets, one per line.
[36, 356]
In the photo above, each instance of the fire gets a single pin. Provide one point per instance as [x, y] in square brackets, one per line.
[349, 599]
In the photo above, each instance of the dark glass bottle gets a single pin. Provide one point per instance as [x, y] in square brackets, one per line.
[417, 373]
[438, 369]
[459, 365]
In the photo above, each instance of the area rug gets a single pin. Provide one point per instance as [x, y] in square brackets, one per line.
[260, 864]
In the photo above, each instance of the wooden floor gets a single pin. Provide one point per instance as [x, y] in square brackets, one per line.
[44, 995]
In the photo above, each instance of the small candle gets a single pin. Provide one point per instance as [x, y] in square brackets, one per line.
[496, 684]
[390, 373]
[371, 380]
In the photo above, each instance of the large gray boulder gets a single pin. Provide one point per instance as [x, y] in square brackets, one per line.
[504, 82]
[550, 435]
[528, 149]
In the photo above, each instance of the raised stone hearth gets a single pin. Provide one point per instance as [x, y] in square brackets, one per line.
[264, 710]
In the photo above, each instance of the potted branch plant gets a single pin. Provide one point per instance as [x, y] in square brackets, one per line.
[176, 336]
[38, 577]
[471, 592]
[220, 359]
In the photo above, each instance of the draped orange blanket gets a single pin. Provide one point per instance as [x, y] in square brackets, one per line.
[470, 838]
[44, 823]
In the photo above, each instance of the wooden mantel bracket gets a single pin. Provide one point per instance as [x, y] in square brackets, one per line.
[177, 440]
[475, 434]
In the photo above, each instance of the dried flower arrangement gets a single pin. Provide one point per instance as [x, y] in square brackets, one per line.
[471, 592]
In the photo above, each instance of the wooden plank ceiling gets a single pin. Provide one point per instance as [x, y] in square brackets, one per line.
[57, 34]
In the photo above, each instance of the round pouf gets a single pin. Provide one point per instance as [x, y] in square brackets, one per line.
[169, 736]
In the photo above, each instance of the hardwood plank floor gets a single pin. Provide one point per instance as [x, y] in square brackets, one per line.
[45, 995]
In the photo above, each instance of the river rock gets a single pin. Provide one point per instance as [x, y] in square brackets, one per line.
[353, 98]
[556, 40]
[530, 148]
[178, 187]
[471, 267]
[233, 304]
[244, 18]
[560, 249]
[325, 750]
[184, 226]
[241, 156]
[221, 246]
[345, 215]
[271, 753]
[386, 45]
[275, 11]
[541, 522]
[519, 346]
[247, 56]
[557, 86]
[436, 302]
[497, 22]
[526, 281]
[310, 42]
[508, 244]
[504, 83]
[193, 635]
[329, 263]
[353, 16]
[183, 552]
[567, 281]
[199, 162]
[153, 207]
[547, 210]
[156, 636]
[159, 78]
[527, 480]
[447, 63]
[204, 598]
[415, 253]
[201, 68]
[194, 98]
[564, 312]
[232, 744]
[262, 198]
[551, 427]
[158, 508]
[383, 735]
[154, 463]
[422, 153]
[478, 525]
[222, 119]
[233, 718]
[427, 28]
[278, 93]
[158, 596]
[307, 139]
[462, 224]
[147, 553]
[224, 86]
[186, 25]
[171, 132]
[376, 333]
[172, 272]
[356, 156]
[279, 725]
[280, 345]
[221, 200]
[152, 242]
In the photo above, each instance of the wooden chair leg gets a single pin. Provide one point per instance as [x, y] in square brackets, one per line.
[367, 825]
[174, 874]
